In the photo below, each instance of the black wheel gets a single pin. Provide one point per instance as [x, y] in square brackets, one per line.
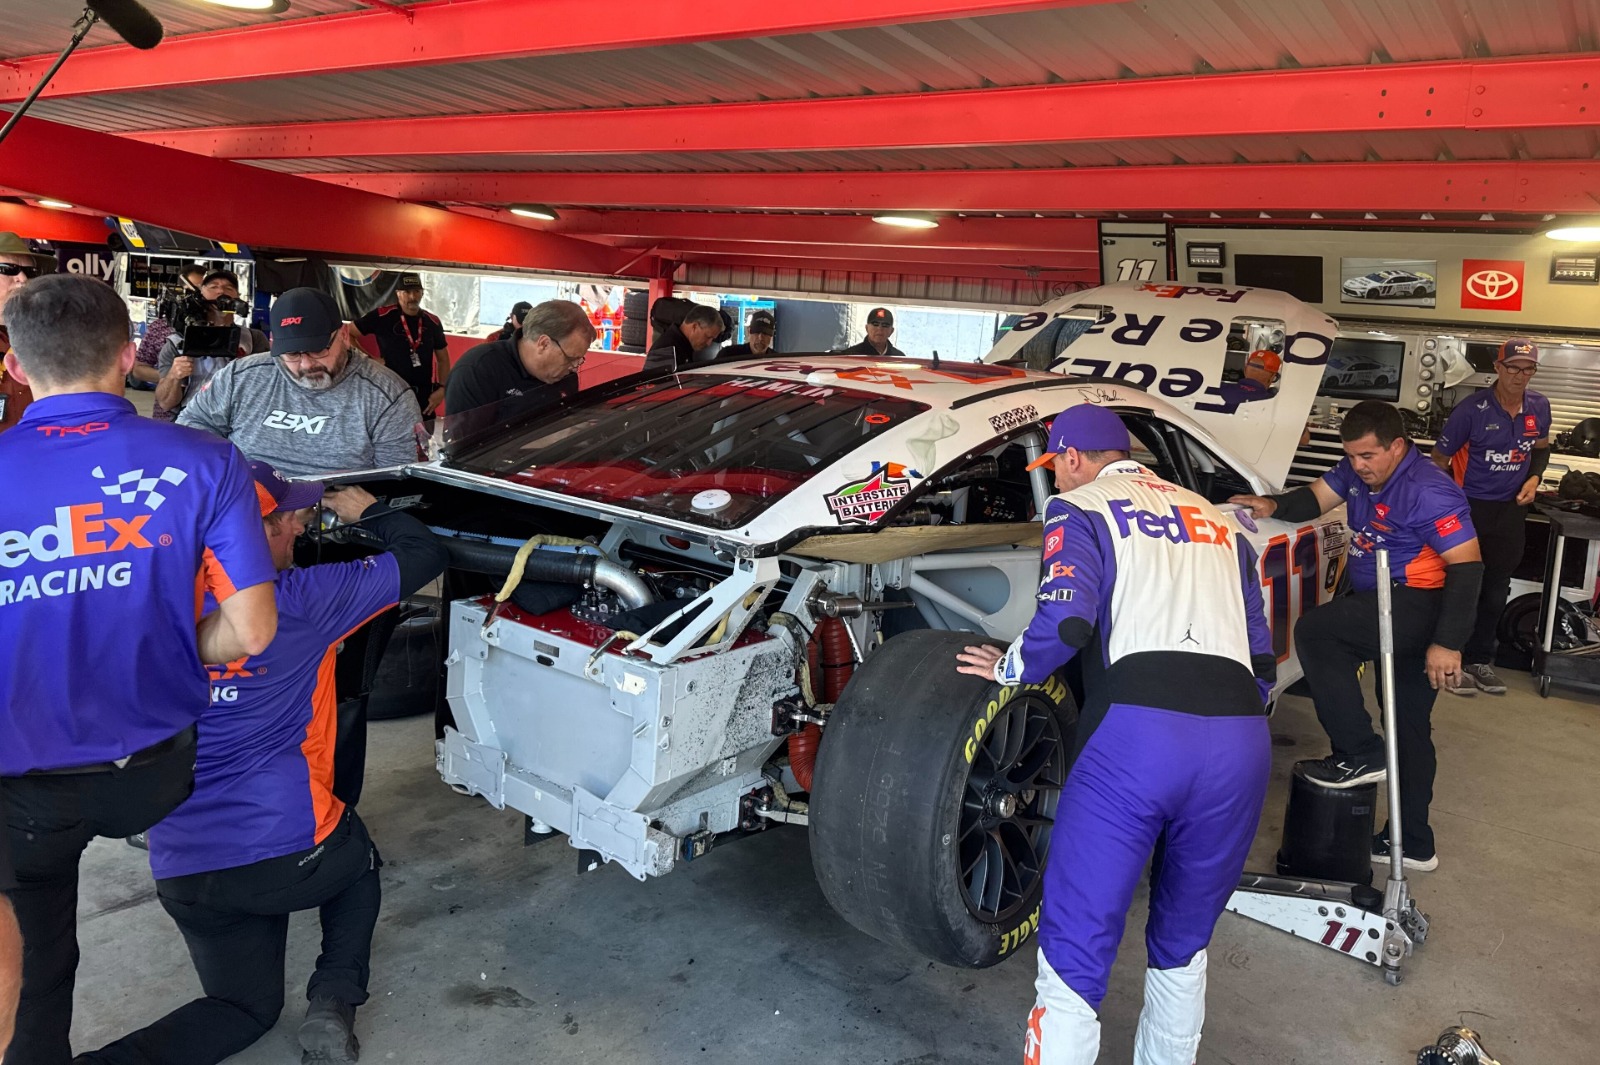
[407, 675]
[1544, 687]
[631, 349]
[633, 331]
[934, 798]
[636, 303]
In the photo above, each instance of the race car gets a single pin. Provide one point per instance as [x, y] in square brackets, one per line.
[735, 596]
[1389, 285]
[1360, 373]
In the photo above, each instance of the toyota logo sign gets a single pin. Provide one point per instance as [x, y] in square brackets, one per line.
[1493, 285]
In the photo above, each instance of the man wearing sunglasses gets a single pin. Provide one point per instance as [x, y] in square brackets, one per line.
[310, 407]
[18, 264]
[1496, 444]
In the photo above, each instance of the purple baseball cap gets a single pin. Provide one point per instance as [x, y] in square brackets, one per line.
[1087, 428]
[276, 494]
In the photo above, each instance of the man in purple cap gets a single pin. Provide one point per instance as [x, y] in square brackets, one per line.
[264, 835]
[1496, 444]
[1154, 586]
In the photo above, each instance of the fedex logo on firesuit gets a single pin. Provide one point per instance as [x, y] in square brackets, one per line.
[76, 530]
[1181, 525]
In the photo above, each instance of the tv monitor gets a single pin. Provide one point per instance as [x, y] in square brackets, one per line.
[1362, 368]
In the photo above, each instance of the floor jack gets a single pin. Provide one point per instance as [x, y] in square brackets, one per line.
[1379, 928]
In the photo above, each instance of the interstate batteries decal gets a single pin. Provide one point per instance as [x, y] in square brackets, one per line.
[865, 501]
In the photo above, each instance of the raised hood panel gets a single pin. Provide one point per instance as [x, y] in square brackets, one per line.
[1189, 345]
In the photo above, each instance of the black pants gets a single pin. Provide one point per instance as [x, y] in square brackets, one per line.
[1502, 529]
[236, 924]
[1334, 639]
[50, 819]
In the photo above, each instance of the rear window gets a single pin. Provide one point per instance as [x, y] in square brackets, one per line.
[712, 450]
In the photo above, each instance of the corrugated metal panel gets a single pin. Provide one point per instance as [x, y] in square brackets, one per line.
[910, 288]
[1149, 39]
[35, 27]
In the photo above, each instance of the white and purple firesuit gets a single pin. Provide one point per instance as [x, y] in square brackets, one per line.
[1153, 584]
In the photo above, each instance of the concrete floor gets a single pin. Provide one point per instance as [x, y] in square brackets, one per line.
[491, 953]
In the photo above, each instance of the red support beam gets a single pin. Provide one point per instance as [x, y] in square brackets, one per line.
[466, 32]
[867, 266]
[1547, 92]
[1557, 187]
[38, 223]
[908, 259]
[987, 234]
[253, 206]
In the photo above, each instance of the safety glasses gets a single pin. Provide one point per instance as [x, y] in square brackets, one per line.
[13, 269]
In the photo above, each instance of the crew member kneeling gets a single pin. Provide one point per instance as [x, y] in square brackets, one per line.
[263, 834]
[1172, 738]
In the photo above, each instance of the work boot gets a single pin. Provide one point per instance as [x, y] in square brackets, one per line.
[1486, 678]
[328, 1032]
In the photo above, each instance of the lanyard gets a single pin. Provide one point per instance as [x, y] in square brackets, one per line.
[414, 341]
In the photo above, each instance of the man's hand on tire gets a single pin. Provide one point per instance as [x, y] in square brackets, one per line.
[978, 660]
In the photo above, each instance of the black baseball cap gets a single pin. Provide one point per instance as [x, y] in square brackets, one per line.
[408, 281]
[304, 319]
[880, 316]
[762, 322]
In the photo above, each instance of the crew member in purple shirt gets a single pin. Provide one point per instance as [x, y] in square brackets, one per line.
[264, 835]
[110, 526]
[1496, 444]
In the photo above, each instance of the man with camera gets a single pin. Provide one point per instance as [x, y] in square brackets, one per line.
[146, 372]
[188, 359]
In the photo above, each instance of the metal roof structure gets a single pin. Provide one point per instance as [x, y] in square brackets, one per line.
[760, 137]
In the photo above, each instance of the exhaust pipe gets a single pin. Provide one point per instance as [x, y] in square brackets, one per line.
[560, 567]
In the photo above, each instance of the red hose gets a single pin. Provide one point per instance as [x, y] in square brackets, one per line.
[831, 663]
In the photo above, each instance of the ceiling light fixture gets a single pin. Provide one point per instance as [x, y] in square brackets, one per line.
[1575, 234]
[259, 7]
[55, 205]
[535, 210]
[907, 220]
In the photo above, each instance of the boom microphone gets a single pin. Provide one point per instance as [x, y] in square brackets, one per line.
[131, 21]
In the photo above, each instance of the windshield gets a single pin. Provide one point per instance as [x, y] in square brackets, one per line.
[712, 450]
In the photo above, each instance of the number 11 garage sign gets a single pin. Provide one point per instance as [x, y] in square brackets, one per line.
[1491, 284]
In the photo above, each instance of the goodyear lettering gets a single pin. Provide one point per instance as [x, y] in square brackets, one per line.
[77, 530]
[1053, 689]
[1180, 525]
[1010, 941]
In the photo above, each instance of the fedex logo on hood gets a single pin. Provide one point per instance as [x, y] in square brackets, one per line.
[1180, 525]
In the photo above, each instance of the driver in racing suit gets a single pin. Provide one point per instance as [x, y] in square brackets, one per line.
[1172, 740]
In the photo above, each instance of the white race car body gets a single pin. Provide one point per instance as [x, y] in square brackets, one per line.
[1390, 284]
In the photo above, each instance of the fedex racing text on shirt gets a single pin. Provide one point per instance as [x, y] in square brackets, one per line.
[1492, 450]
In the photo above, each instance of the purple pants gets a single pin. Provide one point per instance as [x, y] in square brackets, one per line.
[1202, 781]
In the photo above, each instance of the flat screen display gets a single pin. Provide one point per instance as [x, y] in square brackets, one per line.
[1364, 369]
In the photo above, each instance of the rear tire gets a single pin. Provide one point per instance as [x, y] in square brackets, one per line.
[934, 798]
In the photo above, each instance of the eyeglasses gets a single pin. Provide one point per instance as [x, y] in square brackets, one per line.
[1519, 371]
[297, 357]
[562, 348]
[13, 269]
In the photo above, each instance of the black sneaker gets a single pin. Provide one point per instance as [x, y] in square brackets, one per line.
[1486, 678]
[1344, 771]
[328, 1032]
[1380, 856]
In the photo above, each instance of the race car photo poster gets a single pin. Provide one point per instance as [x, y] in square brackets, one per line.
[1389, 282]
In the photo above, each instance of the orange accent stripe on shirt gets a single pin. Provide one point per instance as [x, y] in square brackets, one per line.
[317, 748]
[321, 735]
[217, 581]
[1426, 570]
[1458, 464]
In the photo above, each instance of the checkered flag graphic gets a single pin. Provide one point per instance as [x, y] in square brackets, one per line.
[131, 486]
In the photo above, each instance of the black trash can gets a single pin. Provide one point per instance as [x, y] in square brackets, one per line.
[1327, 832]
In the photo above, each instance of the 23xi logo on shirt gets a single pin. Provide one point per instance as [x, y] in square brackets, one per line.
[1491, 284]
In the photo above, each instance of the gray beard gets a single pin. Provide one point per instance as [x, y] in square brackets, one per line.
[314, 384]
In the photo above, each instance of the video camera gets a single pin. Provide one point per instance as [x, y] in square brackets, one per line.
[183, 307]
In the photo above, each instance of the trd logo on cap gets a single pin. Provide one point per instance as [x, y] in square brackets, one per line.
[296, 320]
